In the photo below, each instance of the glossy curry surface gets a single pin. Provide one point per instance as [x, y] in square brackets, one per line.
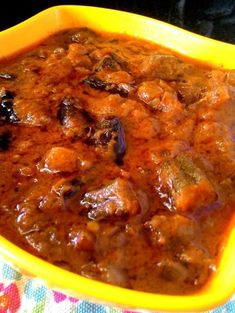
[117, 160]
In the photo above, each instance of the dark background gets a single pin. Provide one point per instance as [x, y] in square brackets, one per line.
[213, 18]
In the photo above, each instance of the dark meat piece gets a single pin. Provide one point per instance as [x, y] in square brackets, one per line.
[178, 234]
[7, 112]
[94, 82]
[162, 228]
[188, 185]
[7, 76]
[81, 239]
[192, 89]
[84, 35]
[171, 271]
[115, 199]
[72, 117]
[163, 66]
[194, 273]
[4, 141]
[107, 63]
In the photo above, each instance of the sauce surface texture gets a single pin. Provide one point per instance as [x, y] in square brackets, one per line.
[117, 160]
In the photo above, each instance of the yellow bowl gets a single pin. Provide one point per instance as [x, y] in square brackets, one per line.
[34, 30]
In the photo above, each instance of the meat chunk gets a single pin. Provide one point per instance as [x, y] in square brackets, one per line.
[171, 271]
[81, 239]
[115, 199]
[162, 66]
[191, 90]
[195, 273]
[187, 184]
[77, 54]
[32, 112]
[165, 227]
[150, 93]
[187, 262]
[214, 138]
[198, 263]
[60, 159]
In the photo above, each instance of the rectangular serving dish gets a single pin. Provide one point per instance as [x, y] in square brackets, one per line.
[34, 30]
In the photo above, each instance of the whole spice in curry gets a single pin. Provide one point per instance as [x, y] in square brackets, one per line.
[117, 160]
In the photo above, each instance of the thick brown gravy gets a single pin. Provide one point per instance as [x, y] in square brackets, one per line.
[117, 160]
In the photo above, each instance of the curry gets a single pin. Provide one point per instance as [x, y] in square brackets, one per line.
[117, 160]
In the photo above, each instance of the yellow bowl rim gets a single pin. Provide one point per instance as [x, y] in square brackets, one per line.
[84, 287]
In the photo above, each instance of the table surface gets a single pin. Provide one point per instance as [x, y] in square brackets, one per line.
[21, 294]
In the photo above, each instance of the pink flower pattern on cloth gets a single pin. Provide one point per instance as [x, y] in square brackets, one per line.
[21, 294]
[9, 298]
[59, 296]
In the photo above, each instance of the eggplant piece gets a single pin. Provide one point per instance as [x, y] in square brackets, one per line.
[187, 184]
[120, 145]
[7, 112]
[97, 137]
[67, 189]
[66, 111]
[4, 141]
[106, 131]
[70, 107]
[74, 186]
[7, 76]
[73, 117]
[94, 82]
[105, 137]
[115, 199]
[117, 89]
[6, 94]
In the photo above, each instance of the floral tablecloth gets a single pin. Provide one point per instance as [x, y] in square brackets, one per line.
[19, 293]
